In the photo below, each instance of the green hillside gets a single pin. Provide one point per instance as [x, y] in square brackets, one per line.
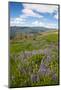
[34, 59]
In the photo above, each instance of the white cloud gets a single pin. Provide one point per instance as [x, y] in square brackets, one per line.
[29, 12]
[17, 21]
[51, 25]
[44, 24]
[37, 23]
[56, 16]
[22, 20]
[41, 8]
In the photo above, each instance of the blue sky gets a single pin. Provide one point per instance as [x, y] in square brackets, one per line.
[33, 15]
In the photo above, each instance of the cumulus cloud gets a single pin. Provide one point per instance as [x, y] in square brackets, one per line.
[37, 23]
[45, 24]
[17, 21]
[56, 16]
[51, 25]
[41, 8]
[29, 12]
[36, 18]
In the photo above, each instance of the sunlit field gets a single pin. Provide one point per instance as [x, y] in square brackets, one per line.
[34, 59]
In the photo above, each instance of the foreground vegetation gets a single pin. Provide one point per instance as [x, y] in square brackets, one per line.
[34, 59]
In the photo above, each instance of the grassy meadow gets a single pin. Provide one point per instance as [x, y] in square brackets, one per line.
[34, 59]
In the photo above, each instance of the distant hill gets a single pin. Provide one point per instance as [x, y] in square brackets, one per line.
[14, 30]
